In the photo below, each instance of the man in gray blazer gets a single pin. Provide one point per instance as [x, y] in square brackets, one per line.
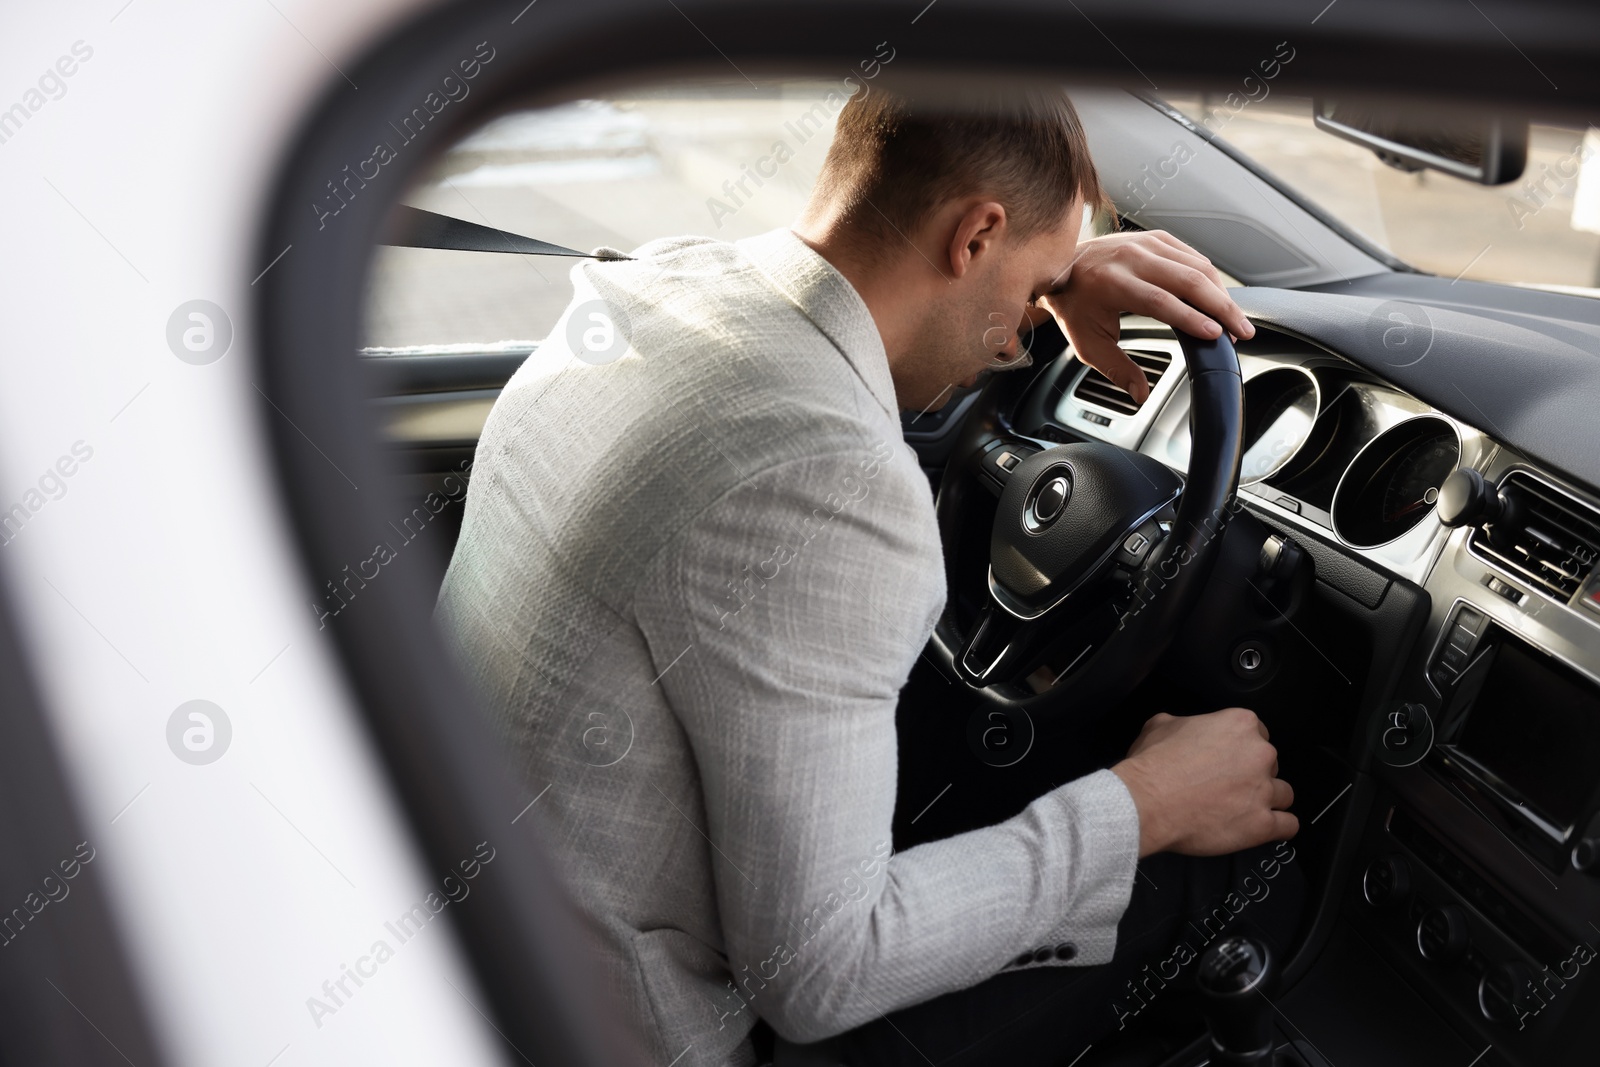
[698, 563]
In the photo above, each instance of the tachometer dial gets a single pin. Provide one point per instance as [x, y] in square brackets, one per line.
[1280, 407]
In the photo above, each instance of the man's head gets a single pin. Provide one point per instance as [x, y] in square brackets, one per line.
[950, 220]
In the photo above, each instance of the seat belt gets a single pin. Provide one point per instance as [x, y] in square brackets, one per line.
[411, 227]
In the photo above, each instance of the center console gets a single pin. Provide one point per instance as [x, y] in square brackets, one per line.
[1478, 873]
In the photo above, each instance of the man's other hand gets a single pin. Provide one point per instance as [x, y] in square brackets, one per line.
[1150, 273]
[1207, 785]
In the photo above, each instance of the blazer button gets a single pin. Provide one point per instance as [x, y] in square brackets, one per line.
[1042, 956]
[1023, 960]
[1066, 951]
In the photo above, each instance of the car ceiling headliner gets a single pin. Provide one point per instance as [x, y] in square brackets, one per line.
[1519, 364]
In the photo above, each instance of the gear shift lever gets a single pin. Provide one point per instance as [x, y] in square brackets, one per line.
[1235, 978]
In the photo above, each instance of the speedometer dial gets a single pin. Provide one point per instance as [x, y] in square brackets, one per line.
[1418, 473]
[1394, 482]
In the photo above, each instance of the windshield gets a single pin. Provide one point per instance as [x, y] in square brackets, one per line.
[1543, 229]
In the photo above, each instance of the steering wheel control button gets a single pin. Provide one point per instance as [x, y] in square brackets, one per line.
[1387, 881]
[1138, 545]
[1442, 935]
[998, 458]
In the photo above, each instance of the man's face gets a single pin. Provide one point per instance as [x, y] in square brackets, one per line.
[978, 315]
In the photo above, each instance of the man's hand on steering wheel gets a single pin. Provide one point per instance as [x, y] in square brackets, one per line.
[1150, 273]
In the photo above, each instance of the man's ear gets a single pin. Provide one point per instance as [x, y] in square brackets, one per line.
[977, 231]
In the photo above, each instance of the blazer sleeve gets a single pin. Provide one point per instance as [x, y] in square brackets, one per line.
[784, 620]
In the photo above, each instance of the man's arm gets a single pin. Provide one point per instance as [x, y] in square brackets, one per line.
[786, 683]
[1148, 273]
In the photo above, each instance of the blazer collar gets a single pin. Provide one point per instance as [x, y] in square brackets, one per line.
[830, 302]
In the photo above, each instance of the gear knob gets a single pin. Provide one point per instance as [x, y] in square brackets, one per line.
[1235, 979]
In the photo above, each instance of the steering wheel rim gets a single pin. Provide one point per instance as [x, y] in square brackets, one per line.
[1184, 528]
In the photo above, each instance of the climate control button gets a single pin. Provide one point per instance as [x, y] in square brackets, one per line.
[1505, 993]
[1387, 881]
[1442, 934]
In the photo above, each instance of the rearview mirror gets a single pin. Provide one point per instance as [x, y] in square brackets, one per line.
[1486, 149]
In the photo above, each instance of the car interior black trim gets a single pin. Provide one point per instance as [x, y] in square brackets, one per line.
[409, 375]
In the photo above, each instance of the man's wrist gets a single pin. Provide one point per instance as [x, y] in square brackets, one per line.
[1153, 831]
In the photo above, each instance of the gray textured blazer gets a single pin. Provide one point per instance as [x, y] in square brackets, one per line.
[697, 565]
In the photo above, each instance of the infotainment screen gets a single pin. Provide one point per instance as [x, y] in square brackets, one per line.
[1536, 725]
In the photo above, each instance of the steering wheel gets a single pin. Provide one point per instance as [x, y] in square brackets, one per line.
[1096, 555]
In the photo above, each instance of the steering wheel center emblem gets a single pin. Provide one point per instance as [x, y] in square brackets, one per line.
[1048, 501]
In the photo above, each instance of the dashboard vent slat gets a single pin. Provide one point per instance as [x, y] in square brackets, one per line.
[1557, 543]
[1095, 388]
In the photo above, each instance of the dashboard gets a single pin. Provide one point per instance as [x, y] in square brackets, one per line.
[1338, 452]
[1478, 871]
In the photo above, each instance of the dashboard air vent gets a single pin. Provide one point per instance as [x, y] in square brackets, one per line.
[1553, 542]
[1095, 388]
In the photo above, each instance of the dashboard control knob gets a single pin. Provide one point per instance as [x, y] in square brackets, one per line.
[1442, 934]
[1403, 736]
[1467, 499]
[1506, 993]
[1283, 574]
[1387, 881]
